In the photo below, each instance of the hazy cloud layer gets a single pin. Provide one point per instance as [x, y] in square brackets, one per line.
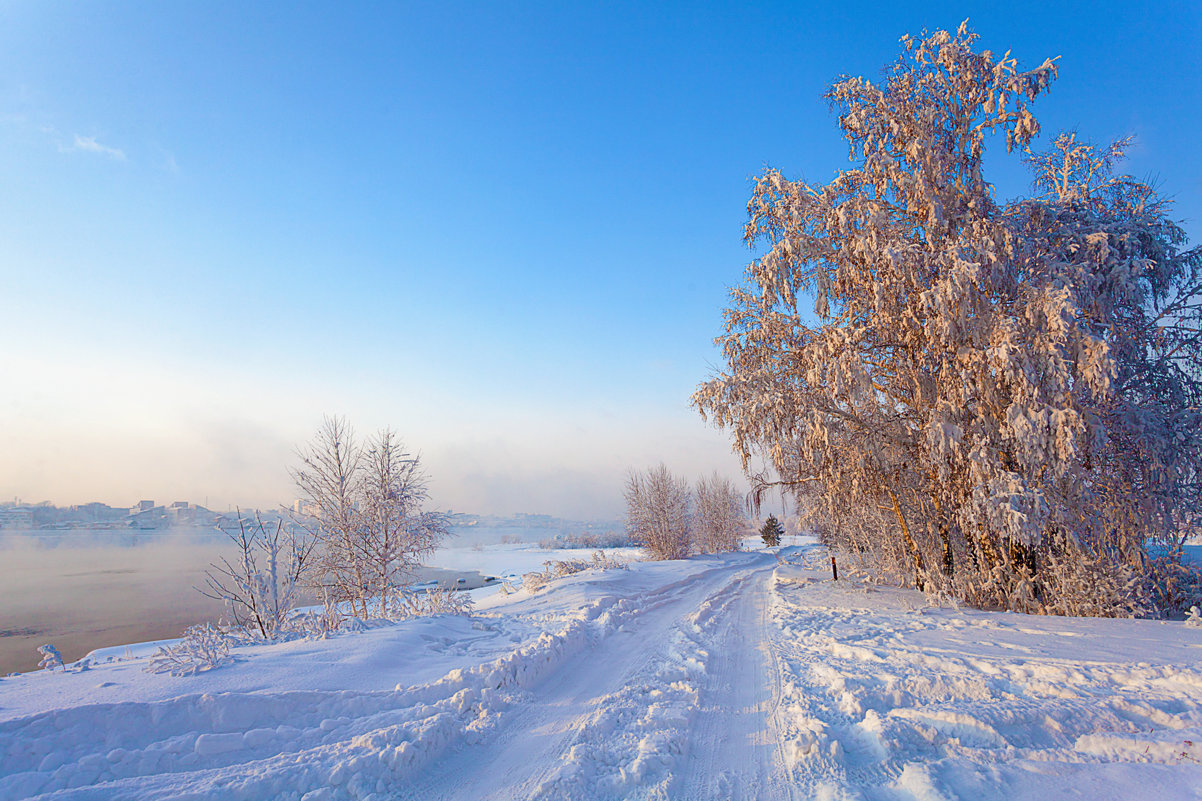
[227, 461]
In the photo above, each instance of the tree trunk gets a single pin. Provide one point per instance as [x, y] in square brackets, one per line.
[915, 554]
[949, 562]
[971, 547]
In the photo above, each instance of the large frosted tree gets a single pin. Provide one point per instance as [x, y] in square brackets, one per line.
[1001, 399]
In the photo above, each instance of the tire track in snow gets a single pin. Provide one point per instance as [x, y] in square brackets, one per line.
[336, 744]
[233, 746]
[663, 694]
[733, 749]
[602, 726]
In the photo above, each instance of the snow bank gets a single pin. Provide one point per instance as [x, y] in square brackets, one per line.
[741, 675]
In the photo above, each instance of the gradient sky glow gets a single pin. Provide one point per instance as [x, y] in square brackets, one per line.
[506, 230]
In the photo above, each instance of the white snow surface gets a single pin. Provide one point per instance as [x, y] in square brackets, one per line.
[743, 676]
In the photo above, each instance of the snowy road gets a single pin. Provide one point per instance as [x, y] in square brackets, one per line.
[618, 718]
[738, 677]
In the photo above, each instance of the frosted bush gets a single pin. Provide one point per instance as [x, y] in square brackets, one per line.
[260, 586]
[533, 582]
[334, 619]
[604, 561]
[364, 506]
[1195, 618]
[51, 658]
[558, 568]
[202, 648]
[718, 522]
[659, 513]
[437, 601]
[313, 624]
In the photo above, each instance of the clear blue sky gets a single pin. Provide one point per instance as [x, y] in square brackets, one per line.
[507, 230]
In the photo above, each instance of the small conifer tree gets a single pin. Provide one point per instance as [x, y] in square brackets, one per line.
[771, 531]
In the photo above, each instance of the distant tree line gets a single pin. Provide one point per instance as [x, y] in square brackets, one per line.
[672, 520]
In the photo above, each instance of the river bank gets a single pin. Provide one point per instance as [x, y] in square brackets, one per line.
[90, 594]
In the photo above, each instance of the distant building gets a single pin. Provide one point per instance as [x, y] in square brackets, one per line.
[16, 517]
[98, 513]
[305, 508]
[142, 506]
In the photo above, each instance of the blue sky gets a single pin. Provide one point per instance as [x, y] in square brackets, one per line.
[507, 230]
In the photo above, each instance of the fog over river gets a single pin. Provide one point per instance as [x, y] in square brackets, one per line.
[87, 589]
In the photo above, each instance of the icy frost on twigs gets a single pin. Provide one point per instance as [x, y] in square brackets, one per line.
[659, 513]
[260, 587]
[999, 401]
[363, 503]
[553, 569]
[202, 648]
[718, 523]
[437, 601]
[51, 658]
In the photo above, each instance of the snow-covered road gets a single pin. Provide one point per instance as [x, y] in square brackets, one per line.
[643, 704]
[741, 676]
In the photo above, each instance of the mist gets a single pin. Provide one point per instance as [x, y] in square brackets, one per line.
[85, 589]
[79, 592]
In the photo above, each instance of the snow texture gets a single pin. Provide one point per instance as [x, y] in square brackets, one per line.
[745, 676]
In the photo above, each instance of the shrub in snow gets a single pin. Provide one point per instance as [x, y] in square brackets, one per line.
[533, 582]
[552, 569]
[363, 504]
[718, 521]
[1001, 401]
[202, 648]
[659, 513]
[314, 624]
[1195, 618]
[260, 587]
[51, 658]
[437, 601]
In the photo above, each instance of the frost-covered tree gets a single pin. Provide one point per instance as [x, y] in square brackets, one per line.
[398, 533]
[364, 506]
[718, 520]
[1002, 398]
[659, 513]
[330, 484]
[261, 585]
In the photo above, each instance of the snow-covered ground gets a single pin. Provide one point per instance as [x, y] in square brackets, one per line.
[515, 558]
[740, 676]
